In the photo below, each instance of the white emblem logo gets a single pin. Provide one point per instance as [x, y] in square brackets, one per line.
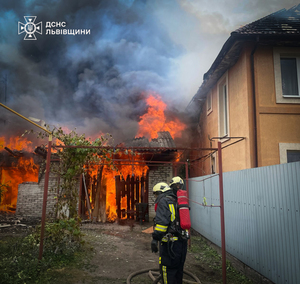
[30, 28]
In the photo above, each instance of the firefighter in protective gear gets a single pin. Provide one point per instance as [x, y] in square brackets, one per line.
[168, 234]
[158, 189]
[176, 184]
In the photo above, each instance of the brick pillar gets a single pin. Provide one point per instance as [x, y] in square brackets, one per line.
[159, 174]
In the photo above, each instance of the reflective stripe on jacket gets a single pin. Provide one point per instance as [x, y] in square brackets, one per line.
[165, 215]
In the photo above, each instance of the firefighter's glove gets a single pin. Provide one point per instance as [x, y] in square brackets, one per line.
[154, 246]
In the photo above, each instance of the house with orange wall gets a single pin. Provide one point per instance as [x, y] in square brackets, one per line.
[250, 98]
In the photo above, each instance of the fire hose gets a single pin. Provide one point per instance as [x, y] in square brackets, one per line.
[155, 276]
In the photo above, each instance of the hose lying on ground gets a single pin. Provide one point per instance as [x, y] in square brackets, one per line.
[153, 272]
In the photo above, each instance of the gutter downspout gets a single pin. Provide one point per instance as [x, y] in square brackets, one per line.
[254, 104]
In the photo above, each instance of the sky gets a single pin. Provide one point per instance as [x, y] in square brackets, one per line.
[98, 82]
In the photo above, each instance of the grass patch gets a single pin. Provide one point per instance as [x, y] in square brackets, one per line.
[210, 258]
[63, 254]
[19, 263]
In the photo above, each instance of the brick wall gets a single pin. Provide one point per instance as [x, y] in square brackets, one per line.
[30, 194]
[157, 174]
[30, 197]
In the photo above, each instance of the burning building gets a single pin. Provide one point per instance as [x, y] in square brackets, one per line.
[104, 194]
[108, 194]
[18, 164]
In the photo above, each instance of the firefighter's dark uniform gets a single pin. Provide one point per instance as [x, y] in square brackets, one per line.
[173, 244]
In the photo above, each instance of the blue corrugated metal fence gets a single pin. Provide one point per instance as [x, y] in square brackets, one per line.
[262, 218]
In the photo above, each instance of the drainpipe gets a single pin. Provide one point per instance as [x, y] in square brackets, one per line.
[254, 104]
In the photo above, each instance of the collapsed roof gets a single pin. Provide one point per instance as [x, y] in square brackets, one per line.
[162, 148]
[163, 140]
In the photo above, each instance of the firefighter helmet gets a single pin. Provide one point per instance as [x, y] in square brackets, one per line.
[176, 180]
[161, 187]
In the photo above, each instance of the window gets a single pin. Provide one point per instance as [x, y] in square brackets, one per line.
[290, 76]
[289, 152]
[287, 75]
[209, 103]
[293, 156]
[223, 107]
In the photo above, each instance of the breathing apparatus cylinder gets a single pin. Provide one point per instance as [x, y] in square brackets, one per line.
[184, 210]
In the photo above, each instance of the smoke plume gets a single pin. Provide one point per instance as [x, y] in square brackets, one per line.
[97, 82]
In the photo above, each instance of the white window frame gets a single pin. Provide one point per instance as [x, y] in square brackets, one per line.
[209, 108]
[223, 110]
[279, 53]
[284, 147]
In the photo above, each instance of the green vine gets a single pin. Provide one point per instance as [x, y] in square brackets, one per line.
[75, 153]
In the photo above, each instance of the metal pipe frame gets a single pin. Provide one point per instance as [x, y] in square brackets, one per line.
[45, 198]
[150, 149]
[222, 218]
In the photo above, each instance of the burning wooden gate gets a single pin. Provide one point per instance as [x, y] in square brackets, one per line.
[107, 197]
[132, 197]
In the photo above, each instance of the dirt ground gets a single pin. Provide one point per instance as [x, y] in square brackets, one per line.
[122, 250]
[118, 251]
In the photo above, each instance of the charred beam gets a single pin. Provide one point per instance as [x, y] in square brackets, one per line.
[41, 152]
[14, 153]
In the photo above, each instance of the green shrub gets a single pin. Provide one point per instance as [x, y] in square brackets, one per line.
[62, 236]
[19, 256]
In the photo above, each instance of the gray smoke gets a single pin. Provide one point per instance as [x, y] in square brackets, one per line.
[97, 82]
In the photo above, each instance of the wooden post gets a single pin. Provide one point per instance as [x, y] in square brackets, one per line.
[97, 196]
[147, 189]
[87, 198]
[132, 185]
[143, 188]
[118, 196]
[94, 187]
[102, 201]
[128, 191]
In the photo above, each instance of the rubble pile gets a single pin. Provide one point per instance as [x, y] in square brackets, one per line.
[12, 224]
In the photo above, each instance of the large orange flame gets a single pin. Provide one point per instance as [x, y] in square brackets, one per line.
[150, 124]
[123, 169]
[22, 170]
[155, 120]
[16, 143]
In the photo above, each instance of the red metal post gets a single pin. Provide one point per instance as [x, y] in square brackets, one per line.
[187, 178]
[222, 213]
[45, 196]
[187, 191]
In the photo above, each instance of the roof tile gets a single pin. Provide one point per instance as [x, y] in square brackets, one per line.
[280, 23]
